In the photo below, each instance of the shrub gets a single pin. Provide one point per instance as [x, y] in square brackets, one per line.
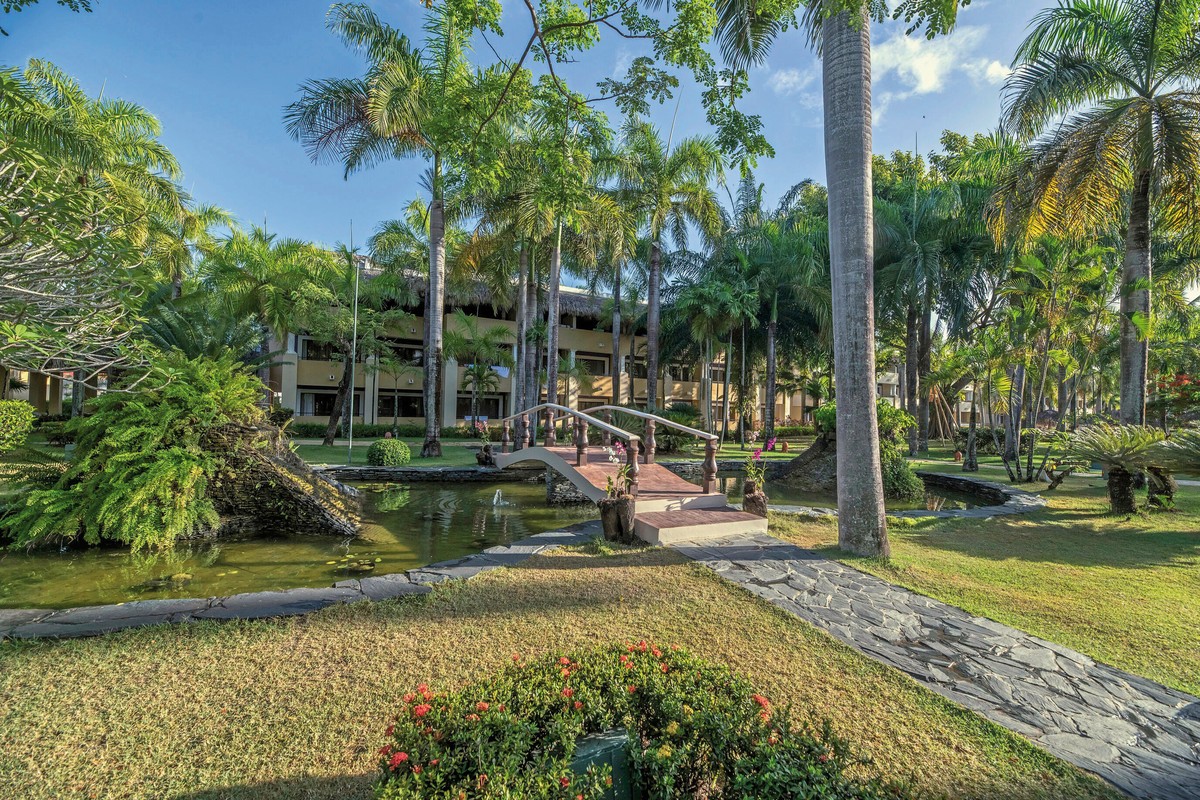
[42, 419]
[388, 453]
[144, 459]
[56, 434]
[1125, 450]
[795, 430]
[899, 480]
[696, 730]
[280, 416]
[984, 443]
[16, 421]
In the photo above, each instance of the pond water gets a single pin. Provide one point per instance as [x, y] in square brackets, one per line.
[781, 494]
[403, 527]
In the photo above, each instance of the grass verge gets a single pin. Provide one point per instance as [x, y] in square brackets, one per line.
[296, 708]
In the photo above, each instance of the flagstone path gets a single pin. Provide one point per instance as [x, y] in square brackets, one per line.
[1141, 736]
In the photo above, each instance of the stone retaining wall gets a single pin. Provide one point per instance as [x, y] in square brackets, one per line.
[434, 474]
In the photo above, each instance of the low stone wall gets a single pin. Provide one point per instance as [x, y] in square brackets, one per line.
[561, 492]
[433, 474]
[1007, 499]
[695, 469]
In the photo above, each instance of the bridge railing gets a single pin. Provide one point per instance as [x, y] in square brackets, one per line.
[582, 421]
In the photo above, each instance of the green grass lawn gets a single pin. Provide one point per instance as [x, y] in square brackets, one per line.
[1125, 591]
[454, 453]
[296, 708]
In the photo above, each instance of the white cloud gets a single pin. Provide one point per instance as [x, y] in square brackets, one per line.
[621, 65]
[790, 81]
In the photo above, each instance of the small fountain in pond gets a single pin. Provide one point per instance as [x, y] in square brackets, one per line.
[498, 498]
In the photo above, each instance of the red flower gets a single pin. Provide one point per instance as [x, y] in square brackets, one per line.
[568, 692]
[664, 667]
[500, 707]
[472, 718]
[578, 705]
[481, 706]
[408, 698]
[416, 770]
[388, 731]
[762, 701]
[631, 689]
[423, 688]
[624, 658]
[516, 657]
[398, 759]
[656, 652]
[564, 782]
[433, 762]
[383, 751]
[629, 665]
[565, 661]
[566, 673]
[823, 757]
[422, 710]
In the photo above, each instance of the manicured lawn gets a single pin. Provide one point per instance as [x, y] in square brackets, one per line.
[454, 453]
[1124, 591]
[296, 708]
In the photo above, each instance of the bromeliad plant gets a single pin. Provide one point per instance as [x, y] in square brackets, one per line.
[695, 730]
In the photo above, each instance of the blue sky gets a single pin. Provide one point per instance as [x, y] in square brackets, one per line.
[218, 73]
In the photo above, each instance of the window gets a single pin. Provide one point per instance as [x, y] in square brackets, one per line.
[679, 372]
[312, 350]
[407, 350]
[489, 406]
[717, 374]
[591, 402]
[594, 366]
[320, 404]
[411, 404]
[639, 367]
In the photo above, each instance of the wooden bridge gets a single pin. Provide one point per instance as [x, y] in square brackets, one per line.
[667, 509]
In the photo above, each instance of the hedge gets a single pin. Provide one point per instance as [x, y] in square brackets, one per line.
[316, 430]
[695, 730]
[16, 421]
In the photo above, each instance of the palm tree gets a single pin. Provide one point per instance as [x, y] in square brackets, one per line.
[1129, 70]
[668, 188]
[411, 102]
[480, 349]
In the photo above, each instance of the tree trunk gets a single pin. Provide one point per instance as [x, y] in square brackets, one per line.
[769, 408]
[337, 413]
[552, 314]
[532, 395]
[924, 365]
[1135, 302]
[616, 335]
[846, 75]
[910, 367]
[432, 448]
[971, 457]
[725, 389]
[1120, 491]
[522, 338]
[652, 320]
[742, 390]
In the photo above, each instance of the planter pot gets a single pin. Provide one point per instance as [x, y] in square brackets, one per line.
[754, 499]
[616, 515]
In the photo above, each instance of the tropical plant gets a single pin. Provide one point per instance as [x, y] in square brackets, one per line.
[479, 350]
[16, 421]
[1125, 74]
[1126, 451]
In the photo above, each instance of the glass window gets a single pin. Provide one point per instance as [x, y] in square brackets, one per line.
[407, 350]
[320, 404]
[679, 372]
[594, 366]
[489, 406]
[411, 404]
[312, 350]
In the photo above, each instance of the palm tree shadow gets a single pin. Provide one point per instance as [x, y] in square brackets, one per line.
[300, 787]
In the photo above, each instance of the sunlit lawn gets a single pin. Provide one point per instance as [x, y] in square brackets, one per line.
[1124, 591]
[296, 708]
[454, 453]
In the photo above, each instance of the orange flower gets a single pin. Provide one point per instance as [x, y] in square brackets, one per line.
[481, 781]
[564, 661]
[631, 689]
[481, 706]
[664, 667]
[408, 698]
[762, 701]
[564, 782]
[578, 705]
[568, 692]
[416, 770]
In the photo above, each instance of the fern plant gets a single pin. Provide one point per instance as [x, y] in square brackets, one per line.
[144, 459]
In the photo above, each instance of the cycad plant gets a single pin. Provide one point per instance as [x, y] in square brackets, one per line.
[1125, 451]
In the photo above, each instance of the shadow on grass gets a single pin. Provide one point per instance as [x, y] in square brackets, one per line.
[341, 787]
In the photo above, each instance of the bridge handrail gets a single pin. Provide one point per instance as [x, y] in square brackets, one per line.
[659, 420]
[572, 412]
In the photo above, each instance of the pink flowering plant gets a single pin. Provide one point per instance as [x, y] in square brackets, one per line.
[617, 485]
[481, 431]
[756, 468]
[695, 730]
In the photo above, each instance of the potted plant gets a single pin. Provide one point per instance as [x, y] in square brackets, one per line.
[484, 457]
[617, 507]
[754, 499]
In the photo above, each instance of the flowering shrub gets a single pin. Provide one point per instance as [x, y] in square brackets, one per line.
[695, 728]
[480, 430]
[388, 453]
[619, 485]
[756, 470]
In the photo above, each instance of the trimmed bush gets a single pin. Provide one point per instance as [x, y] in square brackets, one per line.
[695, 730]
[316, 430]
[388, 453]
[16, 421]
[782, 432]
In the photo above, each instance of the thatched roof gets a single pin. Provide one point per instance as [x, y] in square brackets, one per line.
[572, 300]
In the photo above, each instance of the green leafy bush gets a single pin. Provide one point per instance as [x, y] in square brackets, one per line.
[388, 453]
[316, 430]
[984, 443]
[16, 421]
[280, 416]
[142, 467]
[788, 431]
[56, 434]
[696, 730]
[899, 480]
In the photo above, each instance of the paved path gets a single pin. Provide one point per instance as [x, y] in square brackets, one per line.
[1143, 737]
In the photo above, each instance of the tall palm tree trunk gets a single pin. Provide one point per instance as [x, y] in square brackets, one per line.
[532, 396]
[742, 389]
[924, 366]
[725, 389]
[910, 368]
[846, 77]
[432, 448]
[518, 382]
[652, 323]
[1135, 302]
[616, 336]
[769, 407]
[552, 314]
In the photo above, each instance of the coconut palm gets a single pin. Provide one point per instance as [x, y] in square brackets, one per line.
[668, 188]
[1125, 73]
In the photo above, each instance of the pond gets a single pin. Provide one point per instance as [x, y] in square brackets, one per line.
[403, 527]
[935, 499]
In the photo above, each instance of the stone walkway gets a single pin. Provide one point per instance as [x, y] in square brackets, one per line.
[32, 623]
[1142, 737]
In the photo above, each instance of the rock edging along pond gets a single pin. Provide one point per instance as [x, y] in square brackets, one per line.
[34, 623]
[1005, 500]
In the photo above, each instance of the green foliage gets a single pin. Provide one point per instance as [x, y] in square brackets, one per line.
[144, 458]
[899, 480]
[56, 433]
[1128, 447]
[388, 453]
[1180, 452]
[16, 421]
[694, 726]
[280, 416]
[794, 431]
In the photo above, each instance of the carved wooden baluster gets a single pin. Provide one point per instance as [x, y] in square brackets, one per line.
[506, 438]
[528, 432]
[634, 469]
[551, 435]
[651, 445]
[709, 466]
[580, 442]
